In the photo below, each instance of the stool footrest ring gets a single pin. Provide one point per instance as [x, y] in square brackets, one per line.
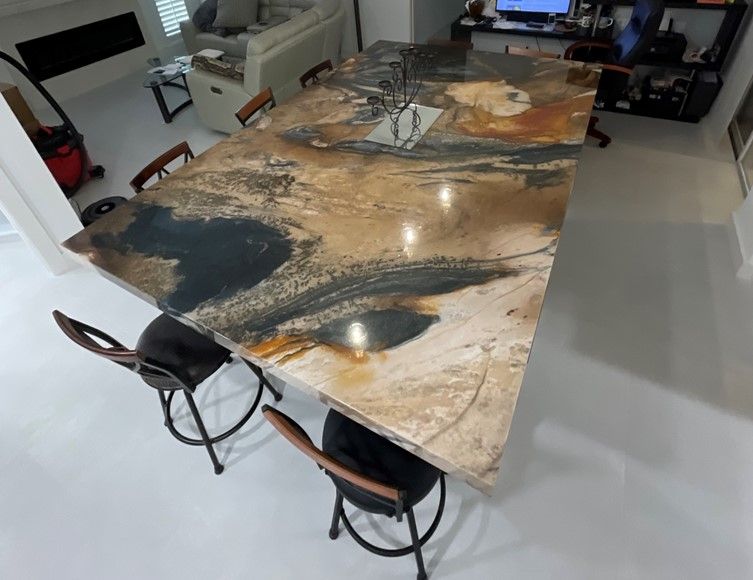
[397, 552]
[217, 438]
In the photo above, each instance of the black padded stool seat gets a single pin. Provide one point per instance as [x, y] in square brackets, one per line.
[374, 456]
[184, 352]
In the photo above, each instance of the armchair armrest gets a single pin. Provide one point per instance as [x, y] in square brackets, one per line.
[604, 45]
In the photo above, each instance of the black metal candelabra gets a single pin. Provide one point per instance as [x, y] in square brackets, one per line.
[399, 93]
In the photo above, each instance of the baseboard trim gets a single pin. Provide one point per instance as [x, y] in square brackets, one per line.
[8, 235]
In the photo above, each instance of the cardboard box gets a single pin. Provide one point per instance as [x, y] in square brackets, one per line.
[20, 108]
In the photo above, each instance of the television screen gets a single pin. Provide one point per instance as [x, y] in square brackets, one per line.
[545, 6]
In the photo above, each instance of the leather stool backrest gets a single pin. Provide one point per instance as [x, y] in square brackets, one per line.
[84, 336]
[294, 433]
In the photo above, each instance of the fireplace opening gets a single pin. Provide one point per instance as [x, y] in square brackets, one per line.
[55, 54]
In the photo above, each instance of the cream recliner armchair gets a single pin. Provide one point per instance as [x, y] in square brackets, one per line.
[235, 44]
[275, 58]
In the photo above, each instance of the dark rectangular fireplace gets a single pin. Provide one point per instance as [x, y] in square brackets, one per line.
[61, 52]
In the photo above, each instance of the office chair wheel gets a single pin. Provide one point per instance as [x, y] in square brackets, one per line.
[592, 131]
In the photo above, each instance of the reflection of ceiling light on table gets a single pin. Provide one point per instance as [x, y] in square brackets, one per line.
[357, 335]
[409, 235]
[445, 197]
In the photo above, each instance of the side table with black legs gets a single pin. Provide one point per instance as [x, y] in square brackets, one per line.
[156, 81]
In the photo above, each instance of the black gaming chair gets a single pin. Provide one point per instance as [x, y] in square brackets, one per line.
[619, 56]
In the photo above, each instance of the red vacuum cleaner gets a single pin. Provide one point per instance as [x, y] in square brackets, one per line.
[61, 147]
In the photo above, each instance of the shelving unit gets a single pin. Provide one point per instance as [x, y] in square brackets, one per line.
[728, 28]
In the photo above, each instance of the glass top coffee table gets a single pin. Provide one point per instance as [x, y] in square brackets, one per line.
[168, 78]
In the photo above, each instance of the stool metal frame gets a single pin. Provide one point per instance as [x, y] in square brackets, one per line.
[161, 379]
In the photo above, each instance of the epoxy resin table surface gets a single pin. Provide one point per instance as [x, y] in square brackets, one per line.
[400, 287]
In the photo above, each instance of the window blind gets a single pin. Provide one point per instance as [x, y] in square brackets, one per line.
[171, 14]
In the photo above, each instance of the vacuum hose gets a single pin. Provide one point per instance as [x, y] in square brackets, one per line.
[77, 138]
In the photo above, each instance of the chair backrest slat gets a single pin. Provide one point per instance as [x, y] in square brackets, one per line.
[157, 167]
[312, 75]
[260, 101]
[299, 439]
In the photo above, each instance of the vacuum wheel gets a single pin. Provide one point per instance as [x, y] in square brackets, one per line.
[97, 171]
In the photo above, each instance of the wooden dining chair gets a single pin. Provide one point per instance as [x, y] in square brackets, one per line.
[256, 104]
[462, 44]
[158, 167]
[517, 50]
[311, 76]
[169, 357]
[372, 473]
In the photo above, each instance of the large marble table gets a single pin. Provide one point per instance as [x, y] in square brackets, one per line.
[400, 287]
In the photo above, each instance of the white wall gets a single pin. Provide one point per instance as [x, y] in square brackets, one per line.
[5, 227]
[22, 26]
[737, 75]
[5, 74]
[30, 198]
[349, 43]
[386, 20]
[431, 16]
[17, 6]
[406, 20]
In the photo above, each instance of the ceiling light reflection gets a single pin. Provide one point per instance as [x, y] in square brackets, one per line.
[357, 335]
[445, 197]
[409, 235]
[410, 239]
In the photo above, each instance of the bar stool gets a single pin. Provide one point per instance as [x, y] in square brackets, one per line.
[372, 473]
[264, 98]
[158, 167]
[311, 76]
[169, 357]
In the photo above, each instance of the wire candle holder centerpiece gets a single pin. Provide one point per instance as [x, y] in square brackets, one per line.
[399, 93]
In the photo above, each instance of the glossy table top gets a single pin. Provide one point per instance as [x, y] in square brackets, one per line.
[400, 287]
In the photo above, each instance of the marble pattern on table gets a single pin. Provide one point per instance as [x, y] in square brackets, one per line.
[400, 287]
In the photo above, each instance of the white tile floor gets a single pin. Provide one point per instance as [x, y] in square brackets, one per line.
[630, 456]
[123, 131]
